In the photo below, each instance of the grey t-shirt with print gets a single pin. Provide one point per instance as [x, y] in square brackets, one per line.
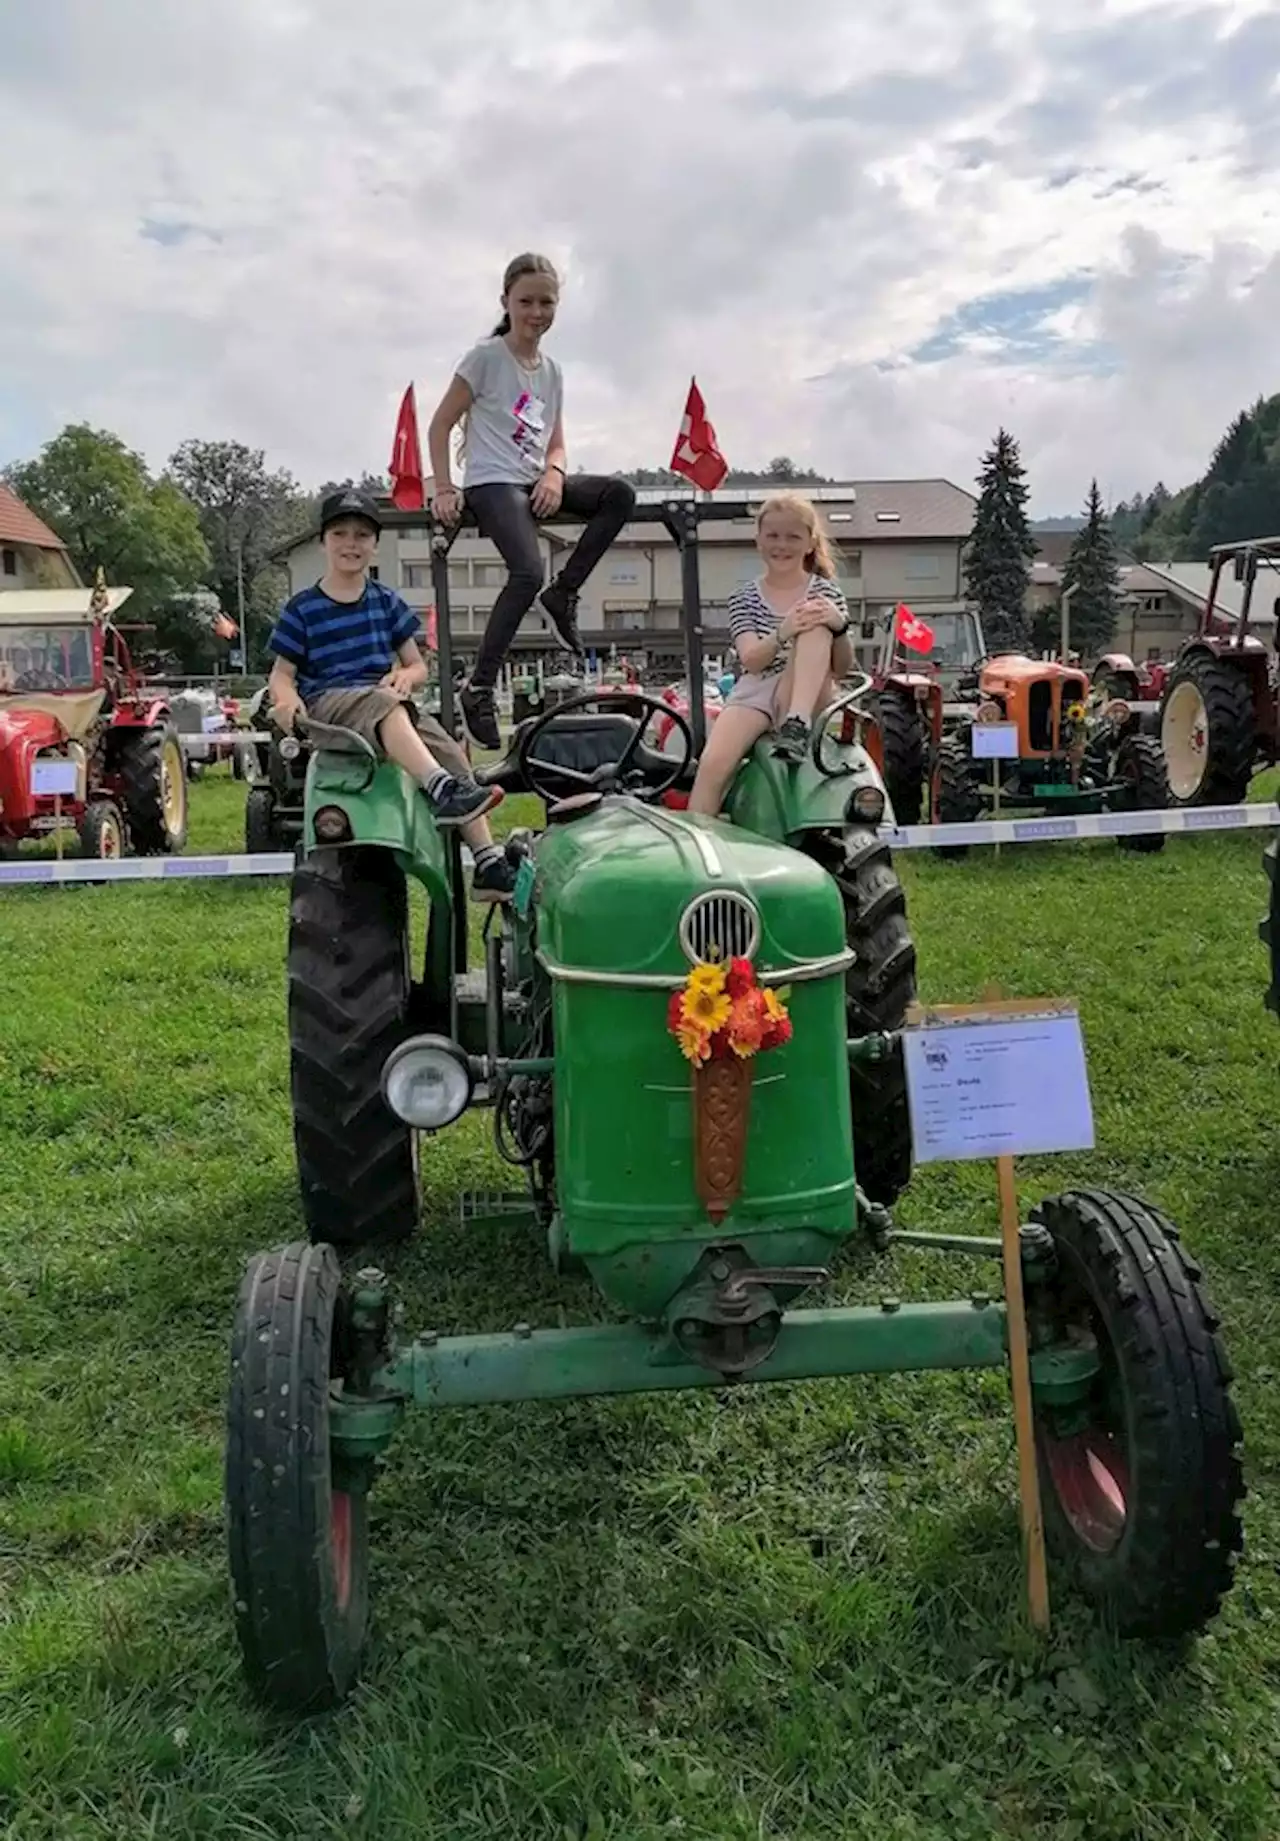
[512, 415]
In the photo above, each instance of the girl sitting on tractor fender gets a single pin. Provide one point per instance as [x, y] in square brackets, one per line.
[790, 630]
[509, 392]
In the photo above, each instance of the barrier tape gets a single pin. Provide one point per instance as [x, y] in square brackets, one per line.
[26, 871]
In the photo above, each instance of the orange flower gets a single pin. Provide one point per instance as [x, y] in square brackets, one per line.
[695, 1043]
[747, 1024]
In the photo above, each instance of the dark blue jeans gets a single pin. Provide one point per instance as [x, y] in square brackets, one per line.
[503, 515]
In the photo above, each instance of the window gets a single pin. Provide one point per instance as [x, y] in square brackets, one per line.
[624, 574]
[923, 566]
[9, 561]
[624, 620]
[848, 564]
[418, 575]
[490, 575]
[888, 517]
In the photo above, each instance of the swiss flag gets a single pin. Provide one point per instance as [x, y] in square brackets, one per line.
[915, 633]
[225, 628]
[696, 454]
[407, 493]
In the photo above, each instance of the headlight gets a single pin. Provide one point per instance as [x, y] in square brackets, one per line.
[427, 1082]
[290, 748]
[332, 824]
[868, 804]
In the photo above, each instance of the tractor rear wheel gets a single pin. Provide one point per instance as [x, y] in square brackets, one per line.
[155, 789]
[1207, 732]
[102, 831]
[298, 1542]
[1140, 763]
[1142, 1482]
[349, 1006]
[879, 987]
[260, 821]
[1269, 926]
[958, 793]
[903, 751]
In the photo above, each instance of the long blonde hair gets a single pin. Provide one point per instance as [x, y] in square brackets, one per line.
[818, 559]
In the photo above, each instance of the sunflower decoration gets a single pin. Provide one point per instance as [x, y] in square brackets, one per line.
[721, 1011]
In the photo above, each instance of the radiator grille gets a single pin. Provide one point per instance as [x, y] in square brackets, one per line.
[715, 927]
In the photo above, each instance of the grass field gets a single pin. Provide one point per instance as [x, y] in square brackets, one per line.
[776, 1613]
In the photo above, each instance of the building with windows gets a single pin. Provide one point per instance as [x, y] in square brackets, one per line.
[31, 555]
[895, 541]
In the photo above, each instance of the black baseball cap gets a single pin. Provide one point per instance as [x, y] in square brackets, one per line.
[348, 503]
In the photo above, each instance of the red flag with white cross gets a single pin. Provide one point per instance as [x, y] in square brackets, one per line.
[914, 633]
[407, 490]
[696, 454]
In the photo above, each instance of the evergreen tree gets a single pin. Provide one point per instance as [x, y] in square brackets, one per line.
[998, 561]
[1091, 576]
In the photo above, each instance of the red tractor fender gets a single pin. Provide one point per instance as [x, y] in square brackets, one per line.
[23, 733]
[140, 714]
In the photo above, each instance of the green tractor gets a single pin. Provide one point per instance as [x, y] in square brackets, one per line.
[704, 1198]
[1269, 925]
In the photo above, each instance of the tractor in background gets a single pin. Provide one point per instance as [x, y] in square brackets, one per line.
[913, 694]
[1220, 713]
[1070, 758]
[70, 694]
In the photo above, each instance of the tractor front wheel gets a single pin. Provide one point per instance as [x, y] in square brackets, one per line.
[349, 1006]
[1207, 733]
[260, 821]
[154, 777]
[1142, 1481]
[903, 752]
[102, 831]
[1140, 764]
[957, 791]
[298, 1540]
[880, 985]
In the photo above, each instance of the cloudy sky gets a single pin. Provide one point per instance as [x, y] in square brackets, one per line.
[876, 229]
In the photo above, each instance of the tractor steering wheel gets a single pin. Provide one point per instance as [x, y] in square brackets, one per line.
[607, 777]
[38, 679]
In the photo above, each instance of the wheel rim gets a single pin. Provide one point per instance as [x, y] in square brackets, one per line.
[340, 1545]
[110, 842]
[1185, 734]
[1091, 1479]
[172, 788]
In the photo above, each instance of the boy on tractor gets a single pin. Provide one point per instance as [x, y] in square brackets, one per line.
[346, 652]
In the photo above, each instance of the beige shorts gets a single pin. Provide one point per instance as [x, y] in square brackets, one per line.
[753, 692]
[366, 707]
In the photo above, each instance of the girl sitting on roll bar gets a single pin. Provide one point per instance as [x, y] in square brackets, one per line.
[790, 630]
[511, 395]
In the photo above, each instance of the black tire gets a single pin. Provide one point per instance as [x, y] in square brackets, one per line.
[1230, 735]
[904, 753]
[154, 796]
[102, 832]
[1141, 1497]
[1141, 764]
[879, 987]
[1269, 926]
[298, 1547]
[349, 1006]
[260, 821]
[958, 788]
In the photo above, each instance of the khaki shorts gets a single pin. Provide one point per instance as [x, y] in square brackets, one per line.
[753, 692]
[366, 708]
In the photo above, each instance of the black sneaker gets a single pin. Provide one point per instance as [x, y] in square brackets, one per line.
[494, 879]
[480, 713]
[792, 739]
[457, 802]
[561, 608]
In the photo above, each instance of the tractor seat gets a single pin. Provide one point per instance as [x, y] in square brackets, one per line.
[334, 739]
[579, 742]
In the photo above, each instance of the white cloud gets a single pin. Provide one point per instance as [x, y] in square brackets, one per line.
[257, 218]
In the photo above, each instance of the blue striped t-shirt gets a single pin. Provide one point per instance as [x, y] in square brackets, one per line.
[337, 645]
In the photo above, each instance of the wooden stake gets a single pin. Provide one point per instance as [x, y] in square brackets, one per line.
[57, 825]
[1020, 1375]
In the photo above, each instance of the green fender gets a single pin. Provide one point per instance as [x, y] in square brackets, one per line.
[779, 801]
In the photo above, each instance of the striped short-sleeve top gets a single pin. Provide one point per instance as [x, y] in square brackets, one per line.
[751, 616]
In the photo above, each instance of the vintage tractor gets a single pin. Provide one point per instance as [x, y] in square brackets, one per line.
[911, 700]
[274, 807]
[69, 693]
[1070, 758]
[682, 1033]
[1220, 713]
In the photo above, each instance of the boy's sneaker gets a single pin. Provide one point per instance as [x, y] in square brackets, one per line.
[792, 739]
[561, 608]
[494, 879]
[458, 801]
[480, 713]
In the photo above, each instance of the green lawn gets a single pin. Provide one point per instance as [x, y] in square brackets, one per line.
[775, 1613]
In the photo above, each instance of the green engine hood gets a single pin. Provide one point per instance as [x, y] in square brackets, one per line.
[611, 888]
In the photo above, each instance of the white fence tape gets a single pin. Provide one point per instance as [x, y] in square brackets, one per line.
[26, 871]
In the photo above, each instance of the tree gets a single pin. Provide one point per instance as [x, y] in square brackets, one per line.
[998, 560]
[246, 513]
[1091, 579]
[97, 495]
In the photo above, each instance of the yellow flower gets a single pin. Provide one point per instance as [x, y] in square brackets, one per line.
[705, 1009]
[774, 1008]
[695, 1043]
[708, 978]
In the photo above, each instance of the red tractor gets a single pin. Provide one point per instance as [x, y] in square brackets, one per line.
[1219, 716]
[82, 740]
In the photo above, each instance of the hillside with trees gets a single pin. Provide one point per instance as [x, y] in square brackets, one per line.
[1238, 497]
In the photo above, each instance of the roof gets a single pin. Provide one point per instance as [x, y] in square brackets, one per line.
[36, 605]
[19, 524]
[1192, 580]
[1133, 578]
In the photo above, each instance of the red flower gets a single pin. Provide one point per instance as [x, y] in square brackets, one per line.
[740, 978]
[675, 1012]
[777, 1032]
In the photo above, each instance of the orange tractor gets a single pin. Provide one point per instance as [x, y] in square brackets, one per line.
[1069, 758]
